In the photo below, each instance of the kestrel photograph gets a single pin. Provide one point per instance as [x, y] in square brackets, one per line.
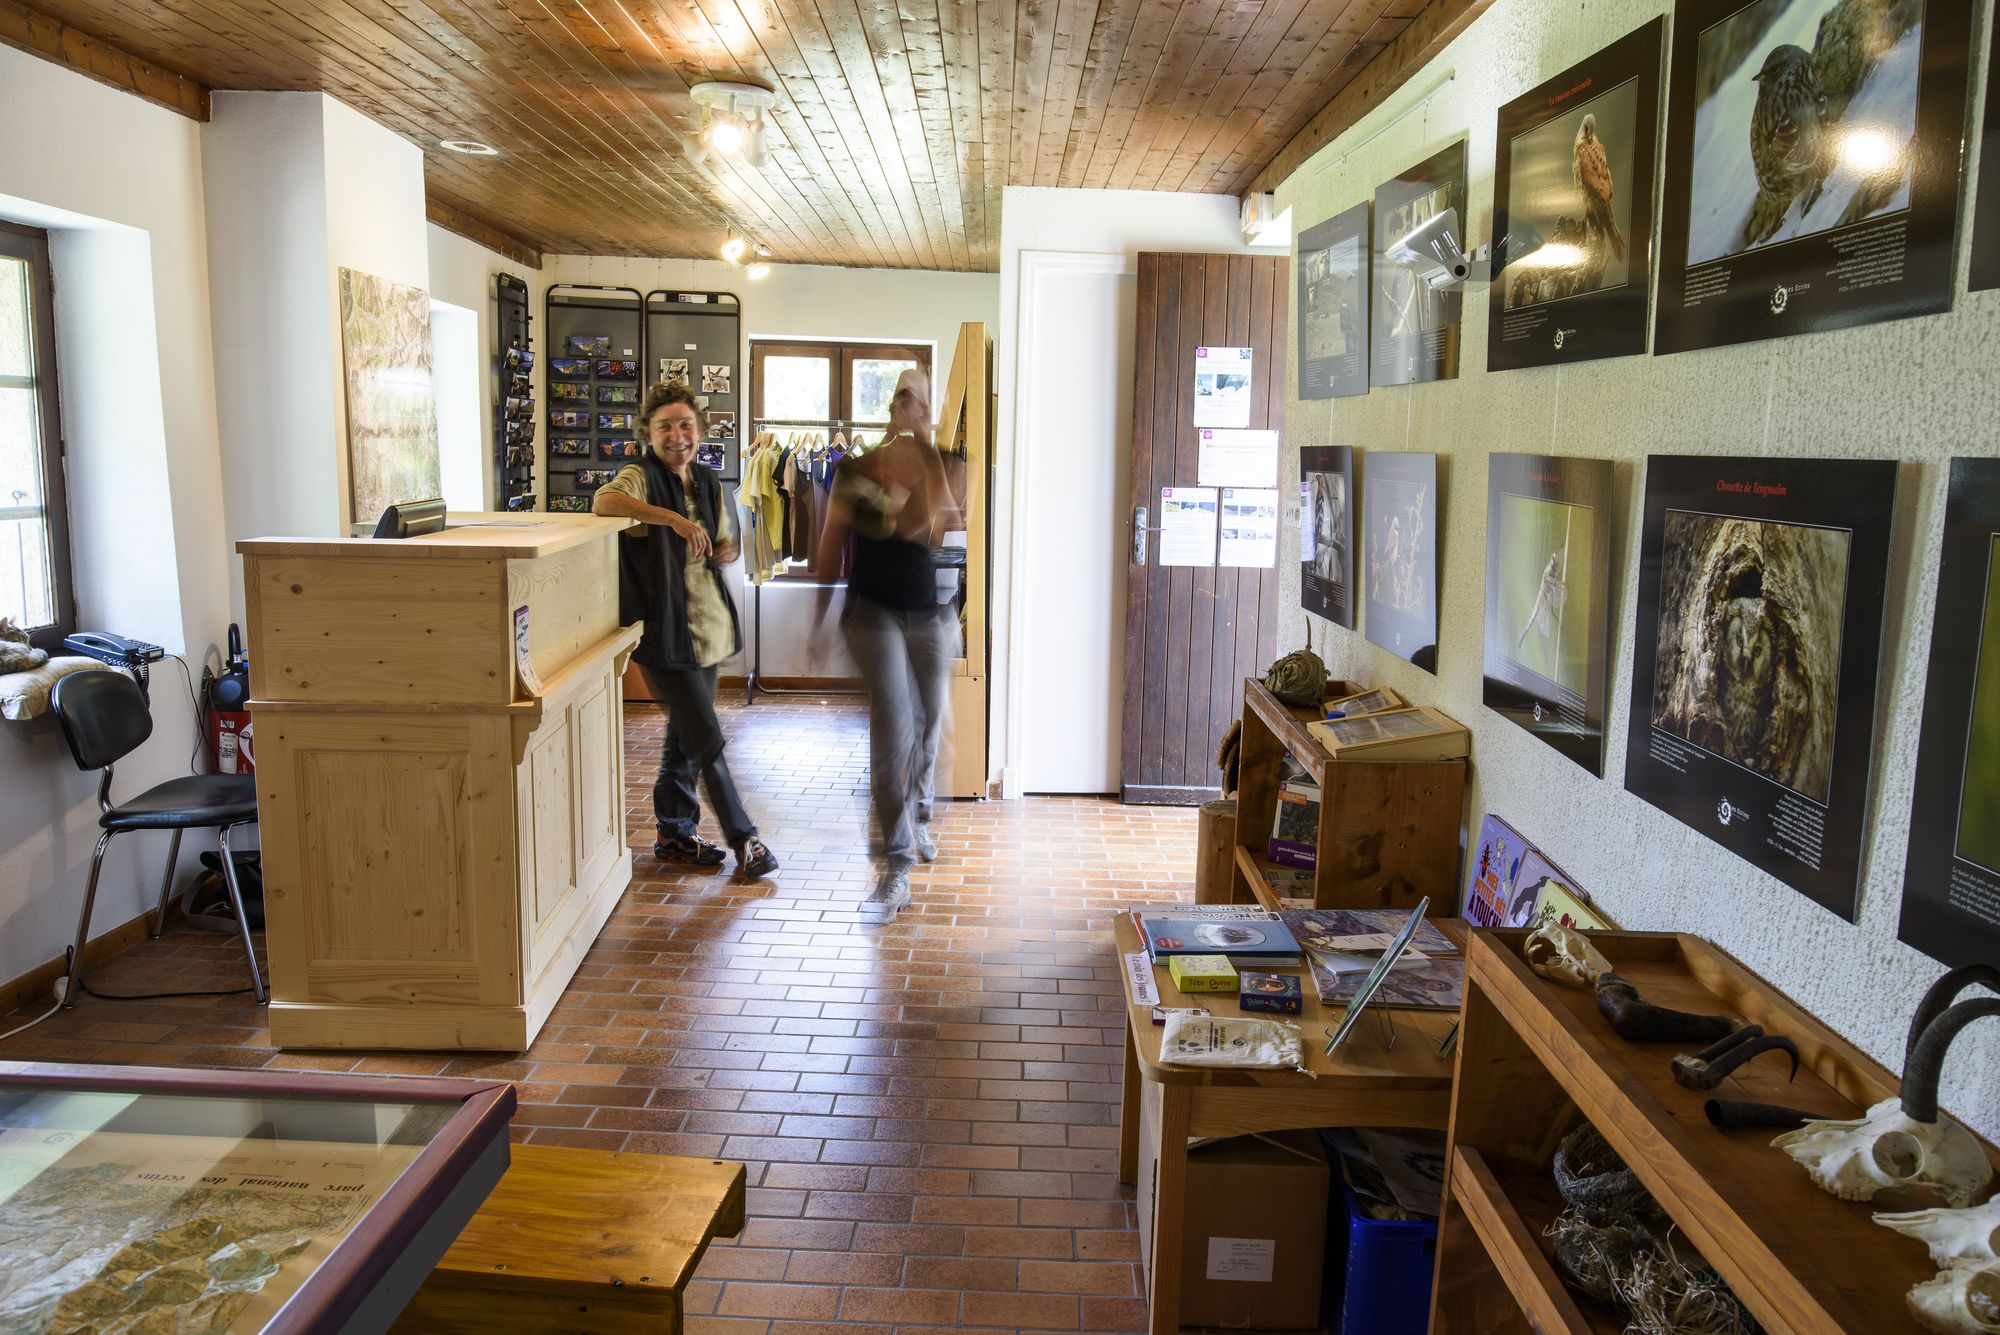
[1573, 181]
[1573, 171]
[1748, 667]
[1805, 120]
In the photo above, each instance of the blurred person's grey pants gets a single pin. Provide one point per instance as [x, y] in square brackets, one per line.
[905, 657]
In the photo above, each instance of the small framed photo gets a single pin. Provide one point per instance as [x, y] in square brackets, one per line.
[617, 370]
[570, 447]
[569, 368]
[711, 454]
[587, 345]
[722, 426]
[674, 368]
[715, 379]
[617, 449]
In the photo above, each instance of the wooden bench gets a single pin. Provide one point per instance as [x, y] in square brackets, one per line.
[580, 1242]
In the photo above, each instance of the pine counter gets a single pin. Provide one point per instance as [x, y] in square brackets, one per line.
[443, 840]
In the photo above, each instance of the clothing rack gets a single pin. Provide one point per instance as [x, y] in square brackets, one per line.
[753, 679]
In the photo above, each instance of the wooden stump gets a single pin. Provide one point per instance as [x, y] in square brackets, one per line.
[1215, 852]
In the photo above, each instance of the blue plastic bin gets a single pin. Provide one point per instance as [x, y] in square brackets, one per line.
[1378, 1273]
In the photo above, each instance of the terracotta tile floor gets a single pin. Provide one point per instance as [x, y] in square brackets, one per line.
[928, 1111]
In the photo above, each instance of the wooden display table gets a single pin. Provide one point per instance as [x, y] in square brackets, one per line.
[441, 843]
[1389, 830]
[581, 1242]
[1535, 1057]
[1365, 1084]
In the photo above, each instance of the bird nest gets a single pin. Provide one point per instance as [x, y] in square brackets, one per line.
[1298, 679]
[1598, 1185]
[1614, 1243]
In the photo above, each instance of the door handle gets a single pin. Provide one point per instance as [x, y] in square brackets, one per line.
[1139, 532]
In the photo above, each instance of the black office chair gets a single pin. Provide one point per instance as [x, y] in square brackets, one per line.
[104, 718]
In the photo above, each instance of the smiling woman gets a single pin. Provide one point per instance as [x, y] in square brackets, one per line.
[34, 529]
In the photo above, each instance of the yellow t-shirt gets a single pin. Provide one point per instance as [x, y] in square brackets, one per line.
[709, 626]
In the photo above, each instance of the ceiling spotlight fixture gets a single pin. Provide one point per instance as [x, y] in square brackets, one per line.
[734, 249]
[757, 271]
[732, 122]
[471, 146]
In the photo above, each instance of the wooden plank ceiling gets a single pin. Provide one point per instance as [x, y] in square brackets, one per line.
[898, 121]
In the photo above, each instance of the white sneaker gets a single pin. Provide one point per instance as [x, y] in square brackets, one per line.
[892, 890]
[926, 846]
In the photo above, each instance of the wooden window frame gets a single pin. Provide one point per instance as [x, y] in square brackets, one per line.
[841, 355]
[32, 245]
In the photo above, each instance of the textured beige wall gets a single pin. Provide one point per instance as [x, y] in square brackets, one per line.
[1919, 391]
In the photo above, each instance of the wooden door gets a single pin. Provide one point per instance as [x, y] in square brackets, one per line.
[1192, 633]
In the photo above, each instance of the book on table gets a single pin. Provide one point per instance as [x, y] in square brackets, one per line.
[1343, 947]
[1259, 942]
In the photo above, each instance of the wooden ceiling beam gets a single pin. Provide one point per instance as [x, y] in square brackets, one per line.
[50, 38]
[455, 219]
[1395, 65]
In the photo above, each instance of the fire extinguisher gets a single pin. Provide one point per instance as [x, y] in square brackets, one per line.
[229, 733]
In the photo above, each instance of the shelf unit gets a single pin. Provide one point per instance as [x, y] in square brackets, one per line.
[1389, 831]
[1535, 1058]
[513, 436]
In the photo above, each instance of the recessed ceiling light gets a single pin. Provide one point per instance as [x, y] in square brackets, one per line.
[471, 146]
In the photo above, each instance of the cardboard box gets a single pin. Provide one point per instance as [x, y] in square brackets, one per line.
[1202, 973]
[1254, 1233]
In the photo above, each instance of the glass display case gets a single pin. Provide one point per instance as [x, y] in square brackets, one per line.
[164, 1202]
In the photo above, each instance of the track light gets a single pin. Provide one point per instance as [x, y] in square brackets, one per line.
[732, 121]
[757, 271]
[734, 249]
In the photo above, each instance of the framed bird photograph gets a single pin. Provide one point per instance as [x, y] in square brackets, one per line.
[1326, 532]
[1813, 158]
[1399, 491]
[1952, 875]
[1755, 654]
[1573, 210]
[1548, 603]
[1414, 326]
[1333, 306]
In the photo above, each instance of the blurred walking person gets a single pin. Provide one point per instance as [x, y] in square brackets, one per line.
[893, 503]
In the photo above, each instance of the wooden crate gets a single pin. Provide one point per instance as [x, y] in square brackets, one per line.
[1389, 831]
[1535, 1058]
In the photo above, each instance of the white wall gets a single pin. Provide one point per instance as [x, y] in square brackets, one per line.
[1062, 487]
[1917, 390]
[145, 483]
[461, 273]
[808, 301]
[465, 456]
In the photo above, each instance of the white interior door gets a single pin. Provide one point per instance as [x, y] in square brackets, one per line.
[1075, 396]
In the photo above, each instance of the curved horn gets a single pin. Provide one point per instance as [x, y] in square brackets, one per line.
[1705, 1071]
[1942, 994]
[1729, 1113]
[1926, 1063]
[1637, 1020]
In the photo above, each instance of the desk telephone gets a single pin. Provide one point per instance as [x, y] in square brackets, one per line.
[113, 649]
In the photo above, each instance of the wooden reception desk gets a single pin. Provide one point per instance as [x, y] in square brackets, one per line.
[441, 842]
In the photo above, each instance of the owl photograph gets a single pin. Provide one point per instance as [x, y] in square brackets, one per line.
[1805, 116]
[1573, 181]
[1544, 552]
[1326, 514]
[1748, 664]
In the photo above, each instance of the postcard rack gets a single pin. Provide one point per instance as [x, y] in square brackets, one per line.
[513, 396]
[1389, 831]
[1535, 1058]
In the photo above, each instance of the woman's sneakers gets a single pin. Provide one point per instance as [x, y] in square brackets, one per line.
[753, 859]
[891, 892]
[688, 851]
[926, 846]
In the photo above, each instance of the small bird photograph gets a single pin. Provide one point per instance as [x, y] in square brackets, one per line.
[1330, 529]
[1751, 628]
[1571, 181]
[1544, 554]
[1805, 114]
